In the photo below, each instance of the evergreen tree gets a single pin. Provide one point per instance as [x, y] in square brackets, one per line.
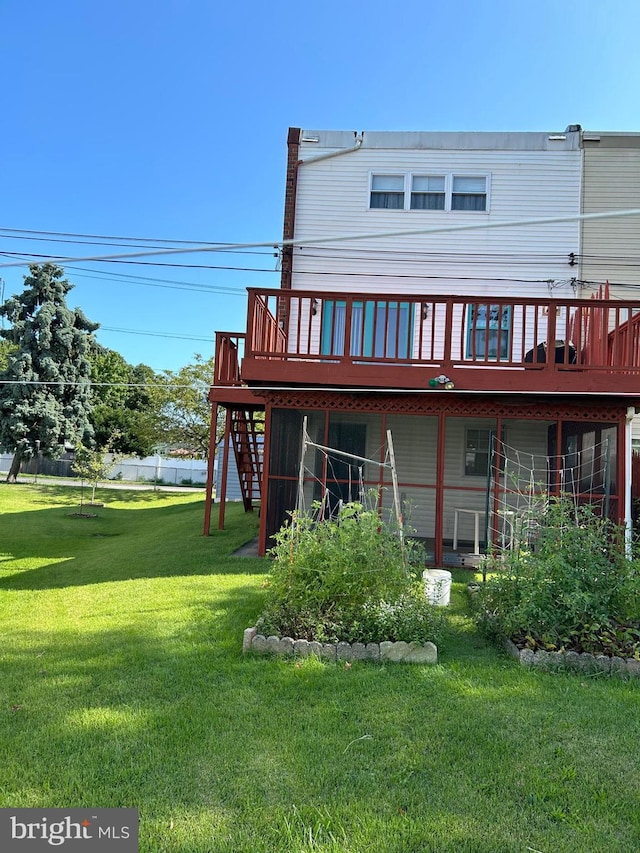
[45, 391]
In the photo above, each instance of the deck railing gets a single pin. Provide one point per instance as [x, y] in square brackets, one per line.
[228, 356]
[446, 333]
[493, 331]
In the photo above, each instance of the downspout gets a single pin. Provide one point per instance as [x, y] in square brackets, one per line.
[628, 455]
[359, 141]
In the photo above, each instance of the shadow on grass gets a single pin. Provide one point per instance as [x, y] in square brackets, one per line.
[157, 536]
[73, 495]
[484, 758]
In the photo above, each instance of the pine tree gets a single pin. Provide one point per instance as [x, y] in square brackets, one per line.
[45, 391]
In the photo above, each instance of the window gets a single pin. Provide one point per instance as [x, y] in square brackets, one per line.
[489, 332]
[469, 193]
[476, 452]
[447, 192]
[479, 445]
[379, 329]
[387, 191]
[427, 192]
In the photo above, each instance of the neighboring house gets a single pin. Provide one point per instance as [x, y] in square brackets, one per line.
[610, 248]
[479, 334]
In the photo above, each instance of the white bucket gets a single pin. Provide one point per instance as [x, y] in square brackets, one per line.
[437, 586]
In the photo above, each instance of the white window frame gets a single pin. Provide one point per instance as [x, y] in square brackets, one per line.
[430, 173]
[455, 175]
[479, 450]
[389, 174]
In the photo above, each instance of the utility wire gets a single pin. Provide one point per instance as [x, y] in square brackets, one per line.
[158, 334]
[288, 389]
[91, 239]
[343, 238]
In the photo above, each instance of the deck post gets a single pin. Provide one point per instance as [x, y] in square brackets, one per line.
[210, 466]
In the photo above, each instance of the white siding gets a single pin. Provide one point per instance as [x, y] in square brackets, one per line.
[333, 199]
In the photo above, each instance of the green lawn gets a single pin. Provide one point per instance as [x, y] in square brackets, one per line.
[123, 684]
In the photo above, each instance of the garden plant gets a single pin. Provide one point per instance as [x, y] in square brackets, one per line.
[575, 587]
[350, 578]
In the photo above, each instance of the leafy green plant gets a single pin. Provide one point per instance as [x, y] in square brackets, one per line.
[92, 465]
[411, 618]
[576, 577]
[342, 580]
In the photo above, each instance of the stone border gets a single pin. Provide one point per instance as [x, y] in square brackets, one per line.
[382, 652]
[570, 661]
[574, 661]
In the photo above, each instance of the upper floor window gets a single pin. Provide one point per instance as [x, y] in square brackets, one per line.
[387, 191]
[447, 192]
[427, 192]
[469, 193]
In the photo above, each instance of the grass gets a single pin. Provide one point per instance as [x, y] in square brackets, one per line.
[123, 684]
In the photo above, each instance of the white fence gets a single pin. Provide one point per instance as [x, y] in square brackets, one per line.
[160, 469]
[152, 469]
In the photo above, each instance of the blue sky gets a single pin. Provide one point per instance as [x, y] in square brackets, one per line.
[168, 119]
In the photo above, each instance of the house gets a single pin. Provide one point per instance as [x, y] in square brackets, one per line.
[437, 302]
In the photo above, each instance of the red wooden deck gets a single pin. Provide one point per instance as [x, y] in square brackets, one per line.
[403, 342]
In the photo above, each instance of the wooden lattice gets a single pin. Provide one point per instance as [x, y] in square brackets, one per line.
[587, 410]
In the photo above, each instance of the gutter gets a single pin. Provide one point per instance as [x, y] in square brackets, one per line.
[359, 141]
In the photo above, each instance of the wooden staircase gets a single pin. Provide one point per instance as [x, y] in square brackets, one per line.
[247, 436]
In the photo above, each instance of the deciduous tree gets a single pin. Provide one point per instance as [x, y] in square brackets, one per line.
[124, 404]
[185, 411]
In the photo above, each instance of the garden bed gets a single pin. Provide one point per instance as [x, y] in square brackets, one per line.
[567, 660]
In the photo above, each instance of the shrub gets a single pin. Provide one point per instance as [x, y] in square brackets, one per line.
[577, 576]
[346, 579]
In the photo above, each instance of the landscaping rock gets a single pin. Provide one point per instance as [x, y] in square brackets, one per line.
[633, 667]
[511, 648]
[286, 646]
[572, 660]
[373, 651]
[315, 648]
[587, 662]
[619, 665]
[417, 653]
[603, 663]
[359, 651]
[394, 651]
[556, 659]
[259, 644]
[343, 651]
[328, 651]
[526, 657]
[247, 639]
[301, 648]
[541, 659]
[273, 644]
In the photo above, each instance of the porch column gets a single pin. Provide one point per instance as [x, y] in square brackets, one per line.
[210, 467]
[225, 469]
[439, 519]
[625, 466]
[264, 486]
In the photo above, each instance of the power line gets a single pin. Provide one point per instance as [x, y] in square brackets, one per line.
[157, 334]
[287, 388]
[343, 238]
[91, 239]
